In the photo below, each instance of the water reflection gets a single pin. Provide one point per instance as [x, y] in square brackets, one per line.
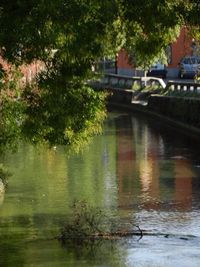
[2, 192]
[144, 163]
[137, 170]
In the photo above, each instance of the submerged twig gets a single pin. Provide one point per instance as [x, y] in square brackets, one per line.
[87, 223]
[102, 235]
[141, 233]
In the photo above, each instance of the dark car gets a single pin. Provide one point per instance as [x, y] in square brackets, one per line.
[157, 70]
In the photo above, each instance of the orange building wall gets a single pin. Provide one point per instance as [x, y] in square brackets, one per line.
[122, 60]
[180, 48]
[29, 71]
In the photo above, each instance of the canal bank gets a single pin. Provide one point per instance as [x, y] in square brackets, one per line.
[177, 112]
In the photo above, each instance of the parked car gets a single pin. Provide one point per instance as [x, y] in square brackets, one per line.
[157, 70]
[189, 66]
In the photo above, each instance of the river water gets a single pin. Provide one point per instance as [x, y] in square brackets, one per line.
[139, 170]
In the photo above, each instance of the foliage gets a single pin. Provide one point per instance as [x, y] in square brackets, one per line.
[87, 223]
[146, 29]
[63, 115]
[11, 109]
[197, 76]
[68, 37]
[80, 31]
[154, 27]
[84, 221]
[136, 86]
[4, 174]
[59, 108]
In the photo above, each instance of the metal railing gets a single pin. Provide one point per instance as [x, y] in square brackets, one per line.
[122, 81]
[114, 81]
[181, 86]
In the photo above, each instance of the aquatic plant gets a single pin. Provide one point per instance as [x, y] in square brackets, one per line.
[84, 221]
[87, 223]
[4, 174]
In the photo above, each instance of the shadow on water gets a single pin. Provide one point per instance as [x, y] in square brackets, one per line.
[25, 244]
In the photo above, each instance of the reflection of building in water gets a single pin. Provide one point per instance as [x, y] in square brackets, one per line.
[183, 184]
[126, 164]
[146, 176]
[149, 169]
[137, 166]
[2, 191]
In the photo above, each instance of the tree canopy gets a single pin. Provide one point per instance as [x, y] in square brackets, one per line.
[68, 37]
[149, 27]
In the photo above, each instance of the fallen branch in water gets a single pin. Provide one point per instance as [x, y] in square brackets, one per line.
[118, 234]
[102, 235]
[87, 223]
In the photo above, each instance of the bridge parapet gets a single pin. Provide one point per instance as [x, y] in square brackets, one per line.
[127, 82]
[180, 86]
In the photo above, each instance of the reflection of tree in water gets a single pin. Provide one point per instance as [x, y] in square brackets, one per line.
[18, 235]
[96, 252]
[11, 253]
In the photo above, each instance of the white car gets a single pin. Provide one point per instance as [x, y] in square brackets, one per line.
[189, 66]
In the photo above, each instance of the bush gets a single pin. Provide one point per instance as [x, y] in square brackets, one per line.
[4, 174]
[83, 222]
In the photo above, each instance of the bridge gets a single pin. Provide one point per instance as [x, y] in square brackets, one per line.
[128, 83]
[176, 109]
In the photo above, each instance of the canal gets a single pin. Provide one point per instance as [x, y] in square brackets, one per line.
[138, 171]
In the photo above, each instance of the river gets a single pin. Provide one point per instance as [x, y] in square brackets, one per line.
[140, 171]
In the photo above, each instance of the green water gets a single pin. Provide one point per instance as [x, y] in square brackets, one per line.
[138, 170]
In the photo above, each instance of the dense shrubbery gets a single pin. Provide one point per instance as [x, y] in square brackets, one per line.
[4, 174]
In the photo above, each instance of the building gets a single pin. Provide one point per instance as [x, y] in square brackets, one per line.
[183, 46]
[28, 71]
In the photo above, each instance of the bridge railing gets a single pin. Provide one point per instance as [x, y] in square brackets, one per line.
[122, 81]
[128, 82]
[181, 86]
